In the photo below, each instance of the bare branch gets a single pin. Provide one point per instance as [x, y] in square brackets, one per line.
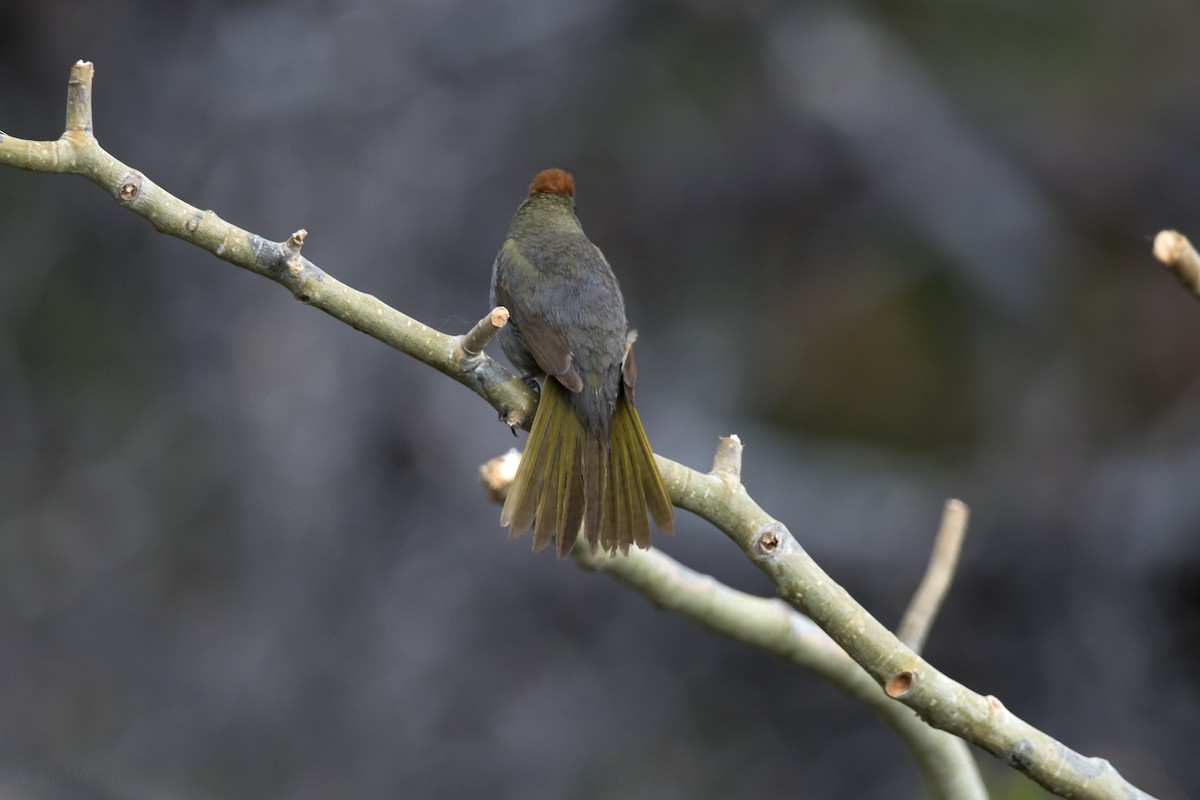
[78, 152]
[719, 498]
[939, 700]
[945, 762]
[939, 574]
[1175, 251]
[949, 770]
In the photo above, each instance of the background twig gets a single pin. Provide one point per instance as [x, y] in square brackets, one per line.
[922, 610]
[1175, 251]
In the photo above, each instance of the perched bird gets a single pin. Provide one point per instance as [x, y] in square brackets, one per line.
[587, 462]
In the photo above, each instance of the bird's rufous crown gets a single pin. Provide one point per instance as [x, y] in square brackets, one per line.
[553, 181]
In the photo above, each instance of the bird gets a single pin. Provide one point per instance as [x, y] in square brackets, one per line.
[587, 463]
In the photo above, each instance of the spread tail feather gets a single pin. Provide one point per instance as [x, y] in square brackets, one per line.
[567, 480]
[627, 429]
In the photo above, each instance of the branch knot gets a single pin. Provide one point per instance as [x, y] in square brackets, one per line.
[769, 541]
[130, 188]
[900, 684]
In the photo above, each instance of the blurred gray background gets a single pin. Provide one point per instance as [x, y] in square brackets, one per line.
[901, 248]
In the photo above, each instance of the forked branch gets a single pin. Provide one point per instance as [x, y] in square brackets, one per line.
[718, 497]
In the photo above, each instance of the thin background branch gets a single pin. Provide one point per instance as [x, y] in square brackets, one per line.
[923, 609]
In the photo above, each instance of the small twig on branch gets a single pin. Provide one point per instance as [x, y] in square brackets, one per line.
[497, 475]
[1175, 251]
[470, 345]
[718, 498]
[727, 462]
[79, 99]
[939, 574]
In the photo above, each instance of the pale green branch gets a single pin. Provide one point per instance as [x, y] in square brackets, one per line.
[718, 497]
[943, 560]
[949, 771]
[939, 700]
[78, 152]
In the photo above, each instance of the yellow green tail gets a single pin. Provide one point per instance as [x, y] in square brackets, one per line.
[567, 480]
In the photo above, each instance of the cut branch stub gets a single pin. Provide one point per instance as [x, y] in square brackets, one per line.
[900, 683]
[79, 100]
[727, 461]
[769, 541]
[1175, 251]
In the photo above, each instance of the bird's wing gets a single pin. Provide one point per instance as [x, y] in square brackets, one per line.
[546, 343]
